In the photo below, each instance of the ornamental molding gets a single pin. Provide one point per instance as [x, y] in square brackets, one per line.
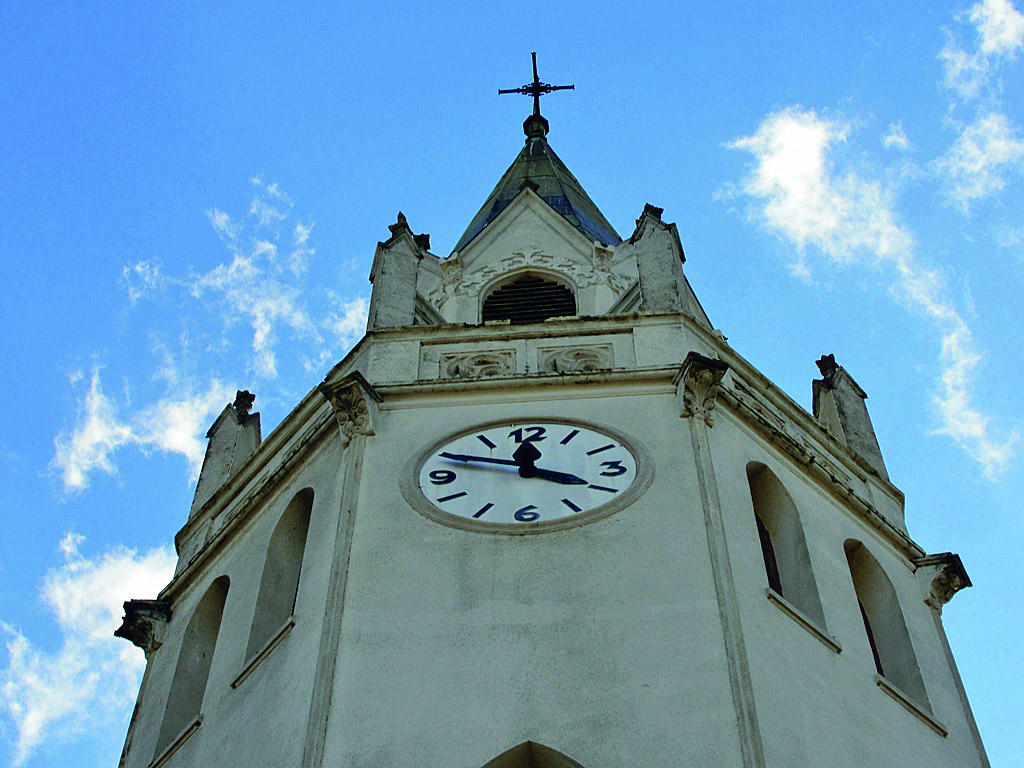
[354, 401]
[144, 623]
[945, 575]
[473, 365]
[698, 384]
[459, 282]
[579, 359]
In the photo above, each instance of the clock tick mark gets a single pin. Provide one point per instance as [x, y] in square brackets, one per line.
[602, 448]
[599, 488]
[455, 496]
[484, 508]
[565, 440]
[483, 439]
[572, 506]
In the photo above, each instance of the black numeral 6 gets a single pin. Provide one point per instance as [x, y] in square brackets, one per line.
[527, 514]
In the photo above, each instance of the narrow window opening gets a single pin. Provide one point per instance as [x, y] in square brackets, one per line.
[787, 562]
[529, 299]
[279, 584]
[884, 624]
[188, 686]
[871, 639]
[771, 566]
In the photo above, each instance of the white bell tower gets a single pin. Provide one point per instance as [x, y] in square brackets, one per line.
[544, 515]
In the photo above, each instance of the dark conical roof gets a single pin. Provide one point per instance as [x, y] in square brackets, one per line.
[538, 167]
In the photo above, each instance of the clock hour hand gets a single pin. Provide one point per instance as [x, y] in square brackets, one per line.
[544, 474]
[558, 477]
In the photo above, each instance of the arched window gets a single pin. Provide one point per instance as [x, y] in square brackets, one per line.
[787, 563]
[529, 299]
[280, 581]
[531, 755]
[193, 668]
[884, 624]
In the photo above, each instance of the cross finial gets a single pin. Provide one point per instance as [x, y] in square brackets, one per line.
[537, 88]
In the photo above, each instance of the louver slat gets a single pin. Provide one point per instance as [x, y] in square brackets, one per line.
[529, 300]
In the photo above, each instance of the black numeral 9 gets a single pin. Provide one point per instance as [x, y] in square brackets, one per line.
[442, 476]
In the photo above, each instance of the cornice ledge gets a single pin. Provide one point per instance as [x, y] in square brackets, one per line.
[778, 398]
[463, 332]
[234, 508]
[660, 376]
[817, 467]
[291, 426]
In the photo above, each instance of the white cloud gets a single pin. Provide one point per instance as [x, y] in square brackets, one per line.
[173, 424]
[261, 286]
[975, 164]
[222, 224]
[253, 284]
[1000, 35]
[347, 321]
[91, 680]
[800, 196]
[1009, 237]
[1000, 27]
[896, 138]
[141, 278]
[98, 434]
[179, 425]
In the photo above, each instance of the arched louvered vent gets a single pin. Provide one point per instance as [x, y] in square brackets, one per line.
[529, 299]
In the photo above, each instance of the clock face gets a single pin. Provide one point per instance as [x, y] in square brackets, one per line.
[522, 476]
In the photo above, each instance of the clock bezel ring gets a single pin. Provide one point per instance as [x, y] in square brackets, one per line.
[411, 492]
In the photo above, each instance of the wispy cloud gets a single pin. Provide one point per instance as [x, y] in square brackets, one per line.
[988, 145]
[976, 164]
[999, 29]
[261, 286]
[896, 138]
[92, 677]
[175, 423]
[98, 433]
[798, 193]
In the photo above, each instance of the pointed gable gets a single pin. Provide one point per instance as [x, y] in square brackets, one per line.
[540, 169]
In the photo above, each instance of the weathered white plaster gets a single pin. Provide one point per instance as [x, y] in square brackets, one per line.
[643, 638]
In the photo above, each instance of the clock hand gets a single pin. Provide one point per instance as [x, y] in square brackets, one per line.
[525, 455]
[485, 459]
[558, 477]
[544, 474]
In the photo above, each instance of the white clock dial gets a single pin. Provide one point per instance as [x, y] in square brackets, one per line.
[527, 473]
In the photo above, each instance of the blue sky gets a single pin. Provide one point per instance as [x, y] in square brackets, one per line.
[192, 194]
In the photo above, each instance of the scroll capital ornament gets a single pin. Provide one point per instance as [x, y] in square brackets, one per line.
[944, 576]
[698, 383]
[354, 401]
[144, 623]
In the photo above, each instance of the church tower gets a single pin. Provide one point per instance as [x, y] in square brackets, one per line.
[542, 514]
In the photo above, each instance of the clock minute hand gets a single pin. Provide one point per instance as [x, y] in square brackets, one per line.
[486, 459]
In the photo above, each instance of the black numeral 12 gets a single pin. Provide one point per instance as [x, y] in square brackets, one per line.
[535, 435]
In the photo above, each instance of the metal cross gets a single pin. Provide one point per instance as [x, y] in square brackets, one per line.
[537, 88]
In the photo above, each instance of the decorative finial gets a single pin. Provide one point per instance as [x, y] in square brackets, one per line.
[243, 402]
[535, 126]
[827, 365]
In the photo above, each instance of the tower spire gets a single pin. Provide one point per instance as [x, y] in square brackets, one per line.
[536, 126]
